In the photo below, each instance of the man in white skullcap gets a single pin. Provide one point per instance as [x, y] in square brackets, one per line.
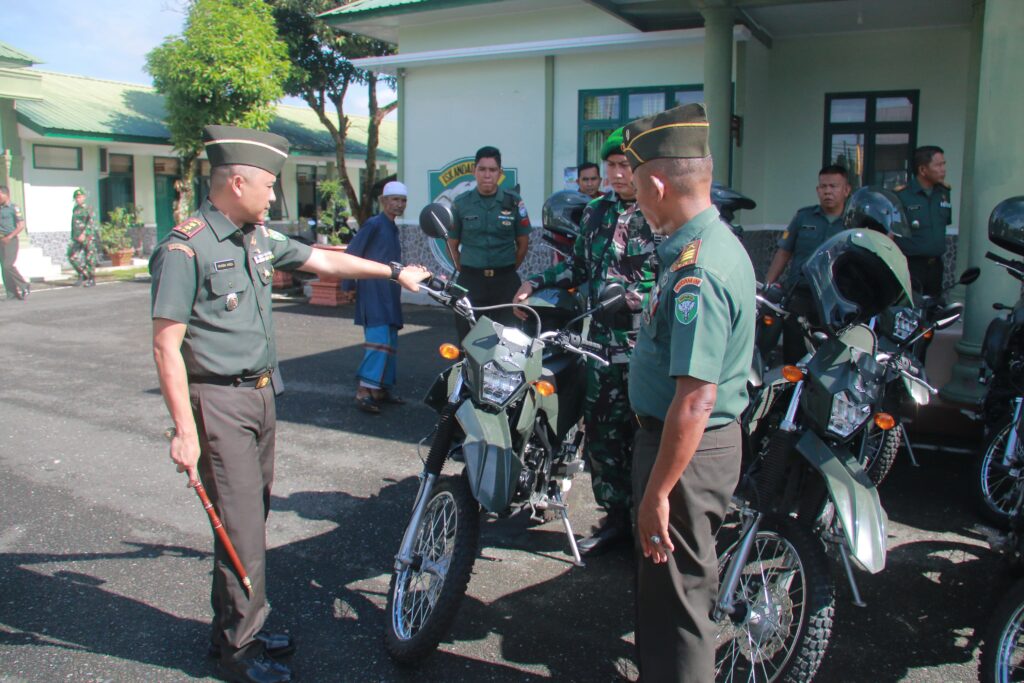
[378, 303]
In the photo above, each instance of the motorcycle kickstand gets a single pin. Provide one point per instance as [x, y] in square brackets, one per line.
[563, 510]
[906, 442]
[845, 554]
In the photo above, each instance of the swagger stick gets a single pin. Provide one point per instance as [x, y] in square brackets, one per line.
[218, 528]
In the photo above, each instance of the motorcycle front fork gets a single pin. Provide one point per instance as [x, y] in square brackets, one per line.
[405, 555]
[1009, 454]
[726, 604]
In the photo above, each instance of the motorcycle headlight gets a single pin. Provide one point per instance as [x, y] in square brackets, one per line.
[497, 386]
[903, 325]
[847, 415]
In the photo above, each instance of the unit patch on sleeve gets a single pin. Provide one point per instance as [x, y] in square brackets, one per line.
[184, 248]
[688, 299]
[276, 236]
[683, 281]
[190, 227]
[687, 257]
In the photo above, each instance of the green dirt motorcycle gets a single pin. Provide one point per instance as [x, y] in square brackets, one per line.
[804, 494]
[509, 411]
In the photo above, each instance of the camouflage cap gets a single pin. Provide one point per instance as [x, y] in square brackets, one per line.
[229, 145]
[79, 191]
[679, 133]
[613, 145]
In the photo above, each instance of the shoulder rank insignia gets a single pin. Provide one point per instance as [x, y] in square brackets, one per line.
[687, 257]
[189, 227]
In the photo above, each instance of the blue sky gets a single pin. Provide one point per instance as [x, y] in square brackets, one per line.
[106, 38]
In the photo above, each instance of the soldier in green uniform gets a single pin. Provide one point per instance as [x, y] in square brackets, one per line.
[82, 251]
[615, 245]
[929, 209]
[12, 223]
[213, 342]
[811, 226]
[687, 385]
[489, 238]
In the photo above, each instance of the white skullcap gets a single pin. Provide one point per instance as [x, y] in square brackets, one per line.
[395, 189]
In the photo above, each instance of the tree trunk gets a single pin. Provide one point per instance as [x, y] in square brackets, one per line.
[185, 187]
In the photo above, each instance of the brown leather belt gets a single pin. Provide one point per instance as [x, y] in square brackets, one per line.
[257, 381]
[649, 424]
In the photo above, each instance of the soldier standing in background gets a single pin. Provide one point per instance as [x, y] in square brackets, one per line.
[82, 249]
[615, 245]
[929, 210]
[12, 223]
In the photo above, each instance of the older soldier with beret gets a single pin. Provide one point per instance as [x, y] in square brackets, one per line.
[82, 252]
[213, 342]
[687, 385]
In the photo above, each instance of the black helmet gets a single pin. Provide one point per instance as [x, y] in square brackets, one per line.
[876, 208]
[1006, 225]
[855, 275]
[564, 210]
[728, 201]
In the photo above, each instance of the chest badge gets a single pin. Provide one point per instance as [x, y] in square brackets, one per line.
[231, 301]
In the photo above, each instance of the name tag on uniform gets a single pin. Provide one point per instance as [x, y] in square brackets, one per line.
[225, 264]
[263, 257]
[945, 205]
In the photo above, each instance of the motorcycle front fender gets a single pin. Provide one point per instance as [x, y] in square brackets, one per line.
[855, 498]
[491, 465]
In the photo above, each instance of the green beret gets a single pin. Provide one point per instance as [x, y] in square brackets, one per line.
[613, 145]
[78, 192]
[679, 133]
[228, 145]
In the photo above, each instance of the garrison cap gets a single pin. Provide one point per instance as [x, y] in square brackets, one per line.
[613, 145]
[679, 133]
[229, 145]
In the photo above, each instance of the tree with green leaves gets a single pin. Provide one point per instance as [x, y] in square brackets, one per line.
[322, 74]
[227, 67]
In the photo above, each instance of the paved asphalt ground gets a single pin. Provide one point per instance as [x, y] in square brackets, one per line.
[105, 555]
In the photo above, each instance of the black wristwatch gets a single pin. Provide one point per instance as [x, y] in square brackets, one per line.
[396, 270]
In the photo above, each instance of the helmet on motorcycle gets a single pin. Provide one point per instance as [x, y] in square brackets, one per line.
[728, 201]
[1006, 225]
[876, 208]
[855, 275]
[564, 210]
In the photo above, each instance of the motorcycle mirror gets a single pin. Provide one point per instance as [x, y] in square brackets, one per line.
[613, 297]
[436, 220]
[969, 275]
[949, 315]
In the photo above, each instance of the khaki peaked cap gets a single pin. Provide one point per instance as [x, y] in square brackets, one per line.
[678, 133]
[230, 145]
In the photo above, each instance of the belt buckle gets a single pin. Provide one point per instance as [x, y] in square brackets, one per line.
[488, 272]
[263, 381]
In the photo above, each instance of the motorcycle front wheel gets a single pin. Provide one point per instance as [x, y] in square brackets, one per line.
[1002, 647]
[424, 597]
[996, 487]
[880, 451]
[784, 604]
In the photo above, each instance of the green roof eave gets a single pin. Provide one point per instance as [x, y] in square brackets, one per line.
[87, 135]
[375, 9]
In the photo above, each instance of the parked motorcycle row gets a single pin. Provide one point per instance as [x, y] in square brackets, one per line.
[820, 435]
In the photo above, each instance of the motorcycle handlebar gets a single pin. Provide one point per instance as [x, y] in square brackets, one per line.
[1016, 268]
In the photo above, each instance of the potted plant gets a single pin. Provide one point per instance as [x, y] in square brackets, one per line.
[115, 236]
[332, 223]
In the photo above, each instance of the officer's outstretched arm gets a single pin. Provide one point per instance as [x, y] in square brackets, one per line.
[345, 266]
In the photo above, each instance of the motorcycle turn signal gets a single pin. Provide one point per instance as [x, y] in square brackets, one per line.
[544, 388]
[884, 421]
[792, 373]
[449, 351]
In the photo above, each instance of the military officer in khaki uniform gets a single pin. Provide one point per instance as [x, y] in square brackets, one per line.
[12, 223]
[929, 210]
[687, 385]
[213, 342]
[489, 239]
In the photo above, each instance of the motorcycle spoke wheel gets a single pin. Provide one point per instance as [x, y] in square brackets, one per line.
[784, 605]
[1002, 648]
[997, 487]
[880, 451]
[424, 597]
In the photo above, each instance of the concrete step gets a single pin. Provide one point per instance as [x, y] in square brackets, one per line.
[34, 265]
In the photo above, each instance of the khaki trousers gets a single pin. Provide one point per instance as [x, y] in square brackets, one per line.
[675, 637]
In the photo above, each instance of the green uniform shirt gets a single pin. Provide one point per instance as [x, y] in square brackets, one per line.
[929, 213]
[698, 321]
[805, 233]
[10, 215]
[608, 250]
[216, 278]
[487, 228]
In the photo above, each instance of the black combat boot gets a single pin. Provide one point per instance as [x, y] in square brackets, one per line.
[615, 529]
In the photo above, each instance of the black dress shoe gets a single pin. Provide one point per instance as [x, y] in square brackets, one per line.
[258, 669]
[274, 644]
[615, 530]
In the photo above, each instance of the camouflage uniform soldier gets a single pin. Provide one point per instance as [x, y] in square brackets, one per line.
[82, 251]
[615, 245]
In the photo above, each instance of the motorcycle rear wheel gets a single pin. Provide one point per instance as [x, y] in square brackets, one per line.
[995, 488]
[1002, 647]
[785, 601]
[424, 598]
